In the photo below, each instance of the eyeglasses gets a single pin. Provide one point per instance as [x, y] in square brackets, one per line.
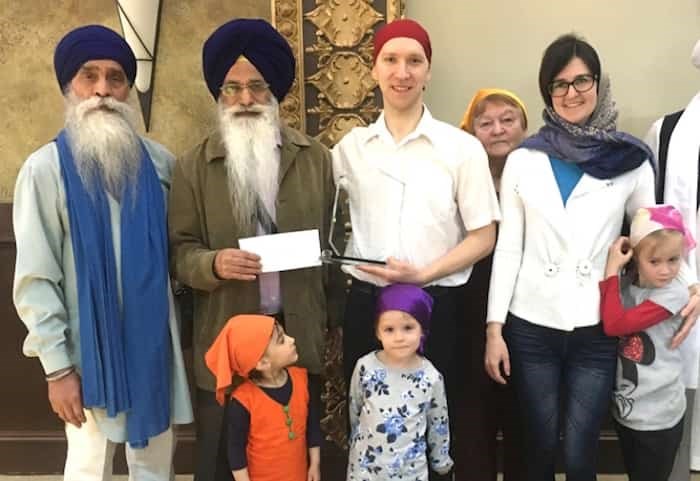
[234, 89]
[581, 84]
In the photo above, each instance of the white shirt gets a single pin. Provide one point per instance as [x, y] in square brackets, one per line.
[414, 200]
[549, 256]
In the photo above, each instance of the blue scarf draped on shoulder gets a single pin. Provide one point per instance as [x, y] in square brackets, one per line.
[597, 148]
[125, 349]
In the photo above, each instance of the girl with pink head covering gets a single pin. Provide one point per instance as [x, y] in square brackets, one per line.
[643, 307]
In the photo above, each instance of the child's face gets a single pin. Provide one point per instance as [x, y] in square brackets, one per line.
[658, 261]
[282, 350]
[399, 334]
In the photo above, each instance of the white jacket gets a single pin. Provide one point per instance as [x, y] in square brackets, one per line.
[549, 258]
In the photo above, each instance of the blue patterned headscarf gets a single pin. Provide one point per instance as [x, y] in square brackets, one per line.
[596, 147]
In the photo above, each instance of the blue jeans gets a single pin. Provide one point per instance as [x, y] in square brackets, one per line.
[563, 382]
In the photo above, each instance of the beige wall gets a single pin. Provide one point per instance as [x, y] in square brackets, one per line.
[30, 102]
[644, 45]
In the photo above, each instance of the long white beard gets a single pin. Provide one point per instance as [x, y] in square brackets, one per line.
[252, 159]
[105, 146]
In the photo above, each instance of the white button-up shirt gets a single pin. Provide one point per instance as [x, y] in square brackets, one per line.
[416, 199]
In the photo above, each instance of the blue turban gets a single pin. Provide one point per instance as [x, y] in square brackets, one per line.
[257, 41]
[92, 42]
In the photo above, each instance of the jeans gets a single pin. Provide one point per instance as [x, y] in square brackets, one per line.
[564, 383]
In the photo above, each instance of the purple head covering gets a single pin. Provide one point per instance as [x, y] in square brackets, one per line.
[409, 299]
[91, 42]
[256, 40]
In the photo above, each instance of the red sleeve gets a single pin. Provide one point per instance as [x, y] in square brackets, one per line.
[618, 321]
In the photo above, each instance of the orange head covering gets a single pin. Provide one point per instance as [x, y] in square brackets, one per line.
[238, 348]
[468, 119]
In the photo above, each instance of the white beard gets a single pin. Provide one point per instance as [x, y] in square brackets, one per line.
[105, 146]
[252, 159]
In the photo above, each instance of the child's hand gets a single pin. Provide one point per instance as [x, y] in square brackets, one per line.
[314, 473]
[619, 254]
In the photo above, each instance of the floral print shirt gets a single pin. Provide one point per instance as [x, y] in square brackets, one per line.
[399, 422]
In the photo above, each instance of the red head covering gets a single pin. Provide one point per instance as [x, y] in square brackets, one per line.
[238, 348]
[402, 28]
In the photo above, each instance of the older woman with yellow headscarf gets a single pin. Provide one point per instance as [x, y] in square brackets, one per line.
[498, 118]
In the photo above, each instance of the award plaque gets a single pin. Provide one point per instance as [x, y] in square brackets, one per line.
[332, 256]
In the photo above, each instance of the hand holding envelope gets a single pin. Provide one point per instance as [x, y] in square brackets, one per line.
[285, 251]
[236, 264]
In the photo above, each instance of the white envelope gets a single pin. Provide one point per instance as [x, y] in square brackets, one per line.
[285, 251]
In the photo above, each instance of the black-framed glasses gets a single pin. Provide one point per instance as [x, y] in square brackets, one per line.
[580, 83]
[235, 89]
[332, 256]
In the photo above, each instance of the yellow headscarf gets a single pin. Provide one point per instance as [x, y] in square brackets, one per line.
[468, 119]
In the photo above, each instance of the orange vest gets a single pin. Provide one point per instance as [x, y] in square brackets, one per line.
[272, 456]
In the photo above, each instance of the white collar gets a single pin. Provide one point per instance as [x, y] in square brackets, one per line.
[425, 128]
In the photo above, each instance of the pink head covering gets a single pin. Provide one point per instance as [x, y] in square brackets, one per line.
[652, 219]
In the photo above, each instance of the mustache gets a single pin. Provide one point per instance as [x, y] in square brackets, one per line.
[107, 105]
[238, 109]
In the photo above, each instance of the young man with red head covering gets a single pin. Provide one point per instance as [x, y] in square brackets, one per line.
[421, 199]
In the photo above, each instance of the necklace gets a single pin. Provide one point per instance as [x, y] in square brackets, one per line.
[288, 422]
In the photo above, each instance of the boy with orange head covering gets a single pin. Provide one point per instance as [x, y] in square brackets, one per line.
[271, 420]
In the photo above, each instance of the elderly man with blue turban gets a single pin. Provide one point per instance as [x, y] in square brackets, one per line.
[252, 175]
[91, 278]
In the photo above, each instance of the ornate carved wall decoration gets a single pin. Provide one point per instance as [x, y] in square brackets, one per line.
[286, 16]
[332, 40]
[333, 92]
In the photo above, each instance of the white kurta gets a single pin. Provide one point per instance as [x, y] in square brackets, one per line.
[45, 284]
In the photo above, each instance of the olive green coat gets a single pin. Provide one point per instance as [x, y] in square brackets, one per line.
[201, 222]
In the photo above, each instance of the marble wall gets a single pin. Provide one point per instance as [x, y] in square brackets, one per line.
[31, 106]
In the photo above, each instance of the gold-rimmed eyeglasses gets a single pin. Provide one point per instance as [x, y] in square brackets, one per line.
[235, 89]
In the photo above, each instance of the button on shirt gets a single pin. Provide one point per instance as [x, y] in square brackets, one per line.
[415, 199]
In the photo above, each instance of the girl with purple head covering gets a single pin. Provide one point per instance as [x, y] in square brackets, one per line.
[397, 405]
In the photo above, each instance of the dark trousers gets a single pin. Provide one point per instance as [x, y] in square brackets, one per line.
[485, 407]
[441, 346]
[564, 383]
[211, 463]
[649, 455]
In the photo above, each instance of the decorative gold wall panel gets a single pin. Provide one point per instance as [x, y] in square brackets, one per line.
[333, 92]
[332, 40]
